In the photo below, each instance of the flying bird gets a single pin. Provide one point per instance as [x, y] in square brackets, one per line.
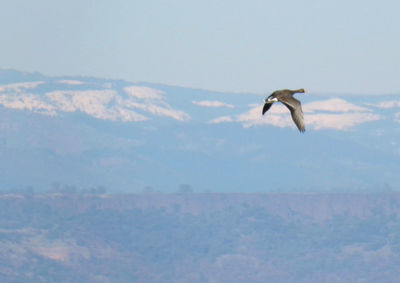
[286, 97]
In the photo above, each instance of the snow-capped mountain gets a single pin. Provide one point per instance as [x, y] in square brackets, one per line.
[126, 136]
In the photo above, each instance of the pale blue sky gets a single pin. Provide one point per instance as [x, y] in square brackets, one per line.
[252, 46]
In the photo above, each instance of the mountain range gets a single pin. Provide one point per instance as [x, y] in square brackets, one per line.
[82, 132]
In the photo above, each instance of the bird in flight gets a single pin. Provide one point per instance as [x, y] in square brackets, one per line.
[286, 97]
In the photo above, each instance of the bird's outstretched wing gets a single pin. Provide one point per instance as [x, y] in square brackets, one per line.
[295, 110]
[266, 107]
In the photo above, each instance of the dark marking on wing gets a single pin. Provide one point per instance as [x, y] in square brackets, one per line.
[266, 107]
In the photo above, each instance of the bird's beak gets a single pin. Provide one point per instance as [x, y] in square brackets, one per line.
[305, 91]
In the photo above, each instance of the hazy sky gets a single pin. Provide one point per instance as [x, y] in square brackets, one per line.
[251, 46]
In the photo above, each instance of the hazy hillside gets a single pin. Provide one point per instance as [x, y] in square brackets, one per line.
[188, 237]
[90, 132]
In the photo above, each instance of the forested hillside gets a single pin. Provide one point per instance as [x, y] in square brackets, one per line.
[76, 237]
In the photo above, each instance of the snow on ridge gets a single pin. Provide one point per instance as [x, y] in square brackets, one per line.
[70, 82]
[214, 103]
[333, 105]
[97, 103]
[105, 103]
[94, 103]
[222, 119]
[135, 102]
[158, 110]
[340, 121]
[143, 92]
[118, 113]
[29, 102]
[347, 116]
[20, 87]
[152, 101]
[89, 101]
[388, 104]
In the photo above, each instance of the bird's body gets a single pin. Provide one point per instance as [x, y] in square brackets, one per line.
[285, 96]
